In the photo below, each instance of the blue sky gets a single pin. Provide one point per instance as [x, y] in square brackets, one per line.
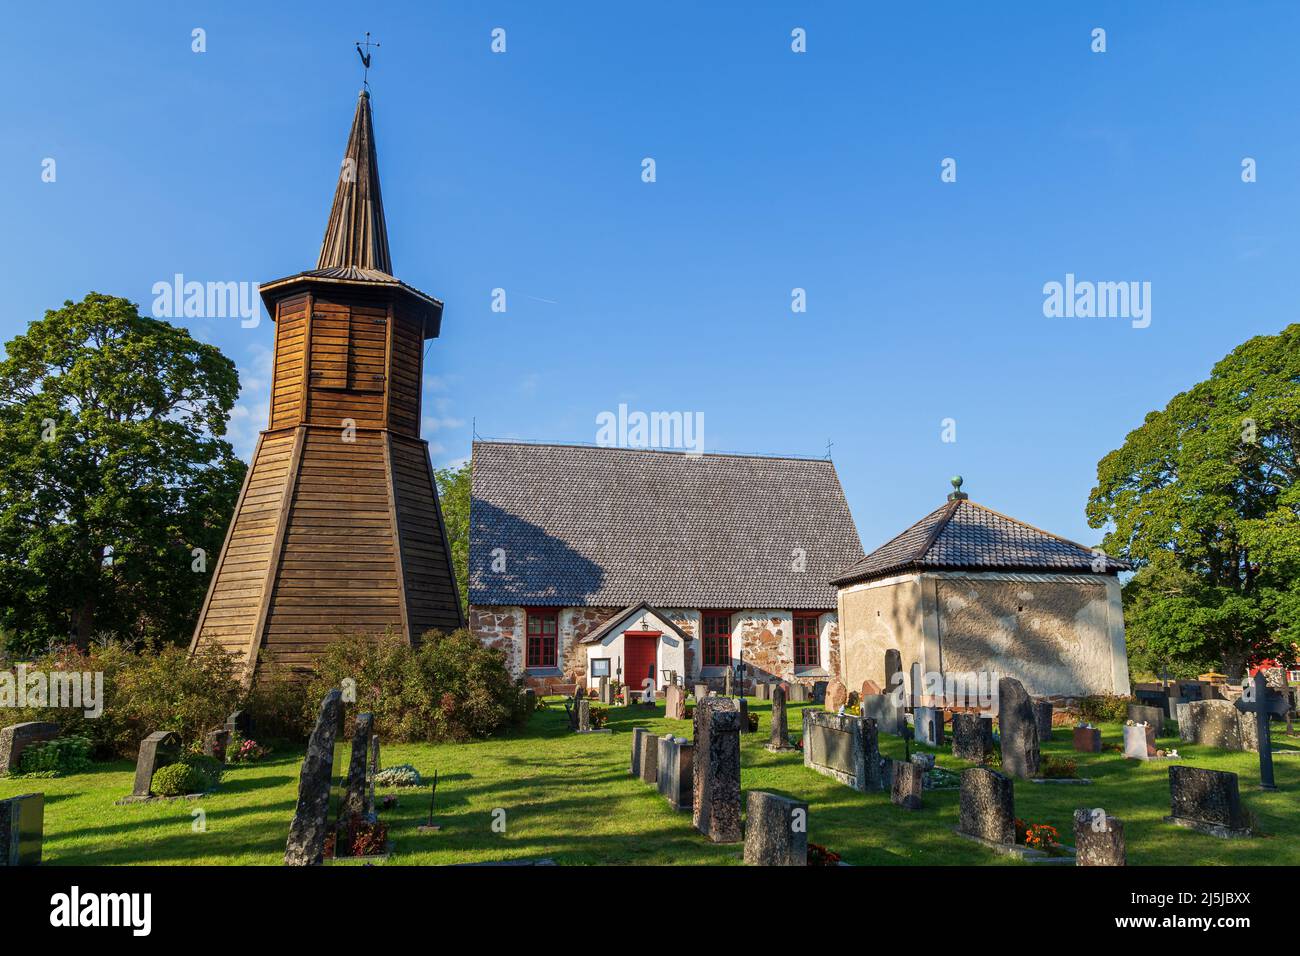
[775, 170]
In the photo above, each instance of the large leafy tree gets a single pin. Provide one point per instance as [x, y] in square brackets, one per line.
[1203, 499]
[454, 496]
[114, 473]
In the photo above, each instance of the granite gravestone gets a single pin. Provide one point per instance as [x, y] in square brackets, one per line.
[885, 710]
[1218, 723]
[306, 844]
[1147, 714]
[215, 743]
[649, 759]
[16, 738]
[677, 771]
[1098, 839]
[606, 692]
[1207, 801]
[716, 803]
[160, 748]
[819, 692]
[637, 734]
[907, 784]
[779, 739]
[582, 707]
[987, 806]
[675, 703]
[354, 795]
[726, 683]
[1043, 719]
[837, 696]
[776, 830]
[22, 829]
[972, 737]
[893, 670]
[1018, 729]
[763, 690]
[1087, 740]
[844, 747]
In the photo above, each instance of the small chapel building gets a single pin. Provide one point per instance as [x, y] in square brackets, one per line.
[968, 590]
[639, 563]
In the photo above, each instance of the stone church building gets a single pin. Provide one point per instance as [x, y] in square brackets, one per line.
[968, 590]
[634, 563]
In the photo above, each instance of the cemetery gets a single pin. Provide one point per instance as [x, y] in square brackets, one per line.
[673, 792]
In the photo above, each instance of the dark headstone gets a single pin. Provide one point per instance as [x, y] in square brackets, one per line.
[637, 734]
[354, 796]
[1147, 714]
[1098, 839]
[1018, 729]
[160, 748]
[1207, 801]
[22, 829]
[780, 736]
[677, 771]
[972, 737]
[987, 806]
[907, 784]
[675, 703]
[215, 743]
[16, 738]
[893, 668]
[306, 844]
[1043, 719]
[374, 772]
[1087, 740]
[716, 806]
[819, 692]
[916, 690]
[743, 707]
[776, 830]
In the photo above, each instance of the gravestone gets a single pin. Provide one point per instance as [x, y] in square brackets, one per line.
[354, 794]
[1218, 723]
[583, 708]
[837, 696]
[1147, 714]
[1186, 729]
[306, 844]
[987, 806]
[1087, 740]
[649, 759]
[743, 705]
[1098, 839]
[637, 734]
[374, 772]
[927, 724]
[1207, 801]
[776, 830]
[215, 743]
[869, 689]
[798, 693]
[726, 683]
[240, 722]
[22, 829]
[908, 782]
[819, 691]
[1043, 718]
[893, 670]
[160, 748]
[779, 739]
[1139, 741]
[677, 771]
[972, 737]
[763, 689]
[916, 686]
[716, 798]
[844, 747]
[701, 691]
[16, 738]
[1018, 729]
[675, 703]
[1255, 705]
[884, 709]
[606, 692]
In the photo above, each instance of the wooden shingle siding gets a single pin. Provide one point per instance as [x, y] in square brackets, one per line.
[432, 603]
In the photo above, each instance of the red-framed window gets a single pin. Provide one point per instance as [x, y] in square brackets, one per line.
[807, 641]
[543, 628]
[716, 627]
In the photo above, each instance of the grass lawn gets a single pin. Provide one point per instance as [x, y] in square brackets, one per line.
[571, 798]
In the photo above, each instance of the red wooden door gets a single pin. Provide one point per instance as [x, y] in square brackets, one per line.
[639, 651]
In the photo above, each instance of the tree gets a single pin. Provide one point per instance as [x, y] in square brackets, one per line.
[114, 472]
[1204, 501]
[453, 495]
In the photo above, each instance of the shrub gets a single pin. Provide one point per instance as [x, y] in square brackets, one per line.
[1057, 768]
[450, 688]
[176, 780]
[55, 758]
[205, 771]
[1109, 708]
[240, 750]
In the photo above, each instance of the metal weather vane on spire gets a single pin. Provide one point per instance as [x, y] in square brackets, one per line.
[365, 58]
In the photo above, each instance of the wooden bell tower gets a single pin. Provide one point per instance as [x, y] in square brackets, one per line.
[338, 528]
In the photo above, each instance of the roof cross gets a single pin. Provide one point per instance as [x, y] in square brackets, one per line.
[365, 58]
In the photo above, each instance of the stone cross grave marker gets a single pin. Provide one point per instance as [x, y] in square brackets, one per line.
[306, 843]
[160, 748]
[776, 830]
[1255, 700]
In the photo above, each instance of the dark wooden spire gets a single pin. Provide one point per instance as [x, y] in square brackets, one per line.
[356, 235]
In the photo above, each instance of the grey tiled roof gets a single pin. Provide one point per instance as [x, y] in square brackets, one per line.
[612, 527]
[962, 535]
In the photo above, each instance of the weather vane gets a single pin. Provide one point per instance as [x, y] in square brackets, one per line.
[365, 58]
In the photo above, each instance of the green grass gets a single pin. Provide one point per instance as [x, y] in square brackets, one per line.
[571, 798]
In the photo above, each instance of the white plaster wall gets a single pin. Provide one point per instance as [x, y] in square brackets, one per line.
[671, 652]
